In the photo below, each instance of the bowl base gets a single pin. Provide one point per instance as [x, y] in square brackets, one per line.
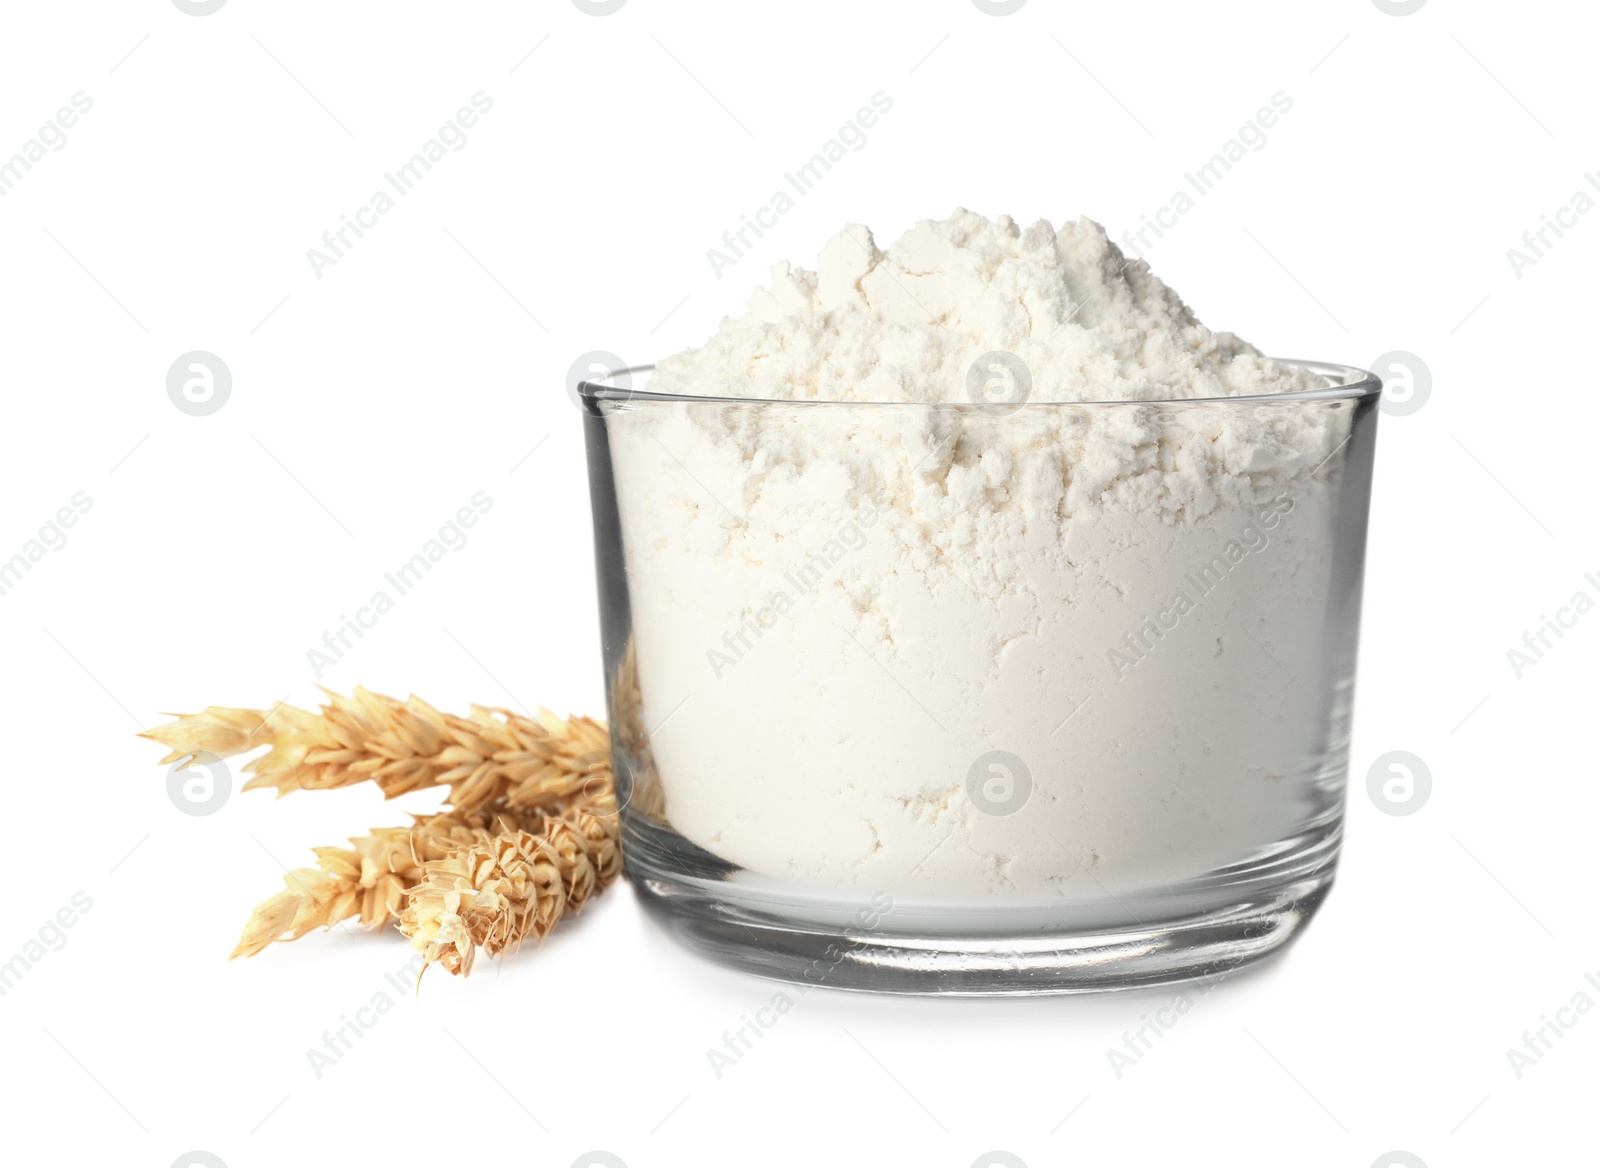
[1151, 953]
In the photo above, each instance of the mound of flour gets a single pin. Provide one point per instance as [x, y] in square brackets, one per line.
[904, 325]
[1033, 652]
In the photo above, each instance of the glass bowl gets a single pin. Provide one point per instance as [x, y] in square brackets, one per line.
[981, 698]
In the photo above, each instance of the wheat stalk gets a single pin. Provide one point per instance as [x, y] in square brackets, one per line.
[533, 833]
[491, 756]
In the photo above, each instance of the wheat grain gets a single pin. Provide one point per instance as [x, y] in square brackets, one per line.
[370, 878]
[491, 756]
[520, 884]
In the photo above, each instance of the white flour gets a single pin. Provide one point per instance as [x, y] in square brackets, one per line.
[838, 611]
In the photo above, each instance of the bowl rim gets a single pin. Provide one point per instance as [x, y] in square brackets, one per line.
[1352, 382]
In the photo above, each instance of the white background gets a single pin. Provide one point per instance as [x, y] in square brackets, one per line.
[370, 403]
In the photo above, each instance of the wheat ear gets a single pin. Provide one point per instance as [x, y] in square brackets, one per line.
[489, 757]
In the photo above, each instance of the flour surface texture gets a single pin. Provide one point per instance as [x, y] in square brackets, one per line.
[987, 577]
